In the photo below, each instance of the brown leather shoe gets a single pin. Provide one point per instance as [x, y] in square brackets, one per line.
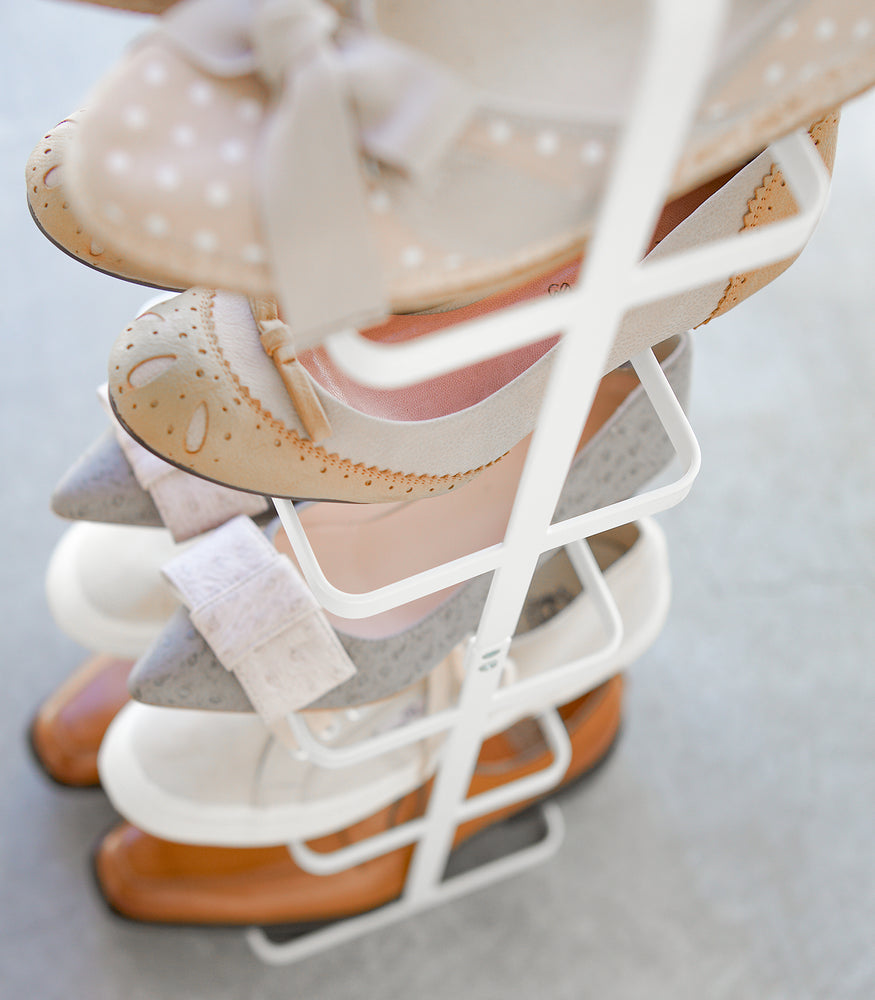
[145, 878]
[65, 734]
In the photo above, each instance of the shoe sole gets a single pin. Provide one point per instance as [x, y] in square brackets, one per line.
[87, 263]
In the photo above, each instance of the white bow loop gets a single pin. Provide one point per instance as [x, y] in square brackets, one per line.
[285, 32]
[339, 89]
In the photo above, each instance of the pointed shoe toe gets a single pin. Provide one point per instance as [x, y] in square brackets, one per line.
[179, 670]
[117, 481]
[101, 486]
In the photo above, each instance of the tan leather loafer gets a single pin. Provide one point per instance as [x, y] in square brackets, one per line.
[145, 878]
[66, 732]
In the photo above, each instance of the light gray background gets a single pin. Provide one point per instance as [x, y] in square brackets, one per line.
[727, 851]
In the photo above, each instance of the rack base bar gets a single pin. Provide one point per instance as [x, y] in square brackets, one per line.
[478, 878]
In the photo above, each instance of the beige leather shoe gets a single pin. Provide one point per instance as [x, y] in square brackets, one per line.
[426, 156]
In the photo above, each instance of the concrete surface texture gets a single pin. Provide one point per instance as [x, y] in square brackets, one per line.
[726, 851]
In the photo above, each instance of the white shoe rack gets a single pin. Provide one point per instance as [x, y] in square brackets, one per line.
[683, 36]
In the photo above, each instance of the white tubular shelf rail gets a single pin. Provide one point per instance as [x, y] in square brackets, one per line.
[366, 603]
[332, 862]
[273, 953]
[391, 366]
[595, 667]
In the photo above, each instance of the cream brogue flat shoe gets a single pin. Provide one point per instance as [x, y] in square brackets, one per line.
[214, 384]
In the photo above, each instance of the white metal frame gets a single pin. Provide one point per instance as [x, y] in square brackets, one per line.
[612, 280]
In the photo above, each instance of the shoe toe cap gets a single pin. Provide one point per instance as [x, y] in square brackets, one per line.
[101, 486]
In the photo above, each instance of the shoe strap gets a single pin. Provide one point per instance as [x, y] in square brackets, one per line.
[255, 611]
[188, 505]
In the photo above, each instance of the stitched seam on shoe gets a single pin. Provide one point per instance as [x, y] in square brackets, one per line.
[317, 452]
[752, 219]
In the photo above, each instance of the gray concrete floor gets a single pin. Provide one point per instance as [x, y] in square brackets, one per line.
[727, 850]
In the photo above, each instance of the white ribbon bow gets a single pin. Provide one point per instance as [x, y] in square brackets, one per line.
[258, 616]
[338, 89]
[188, 505]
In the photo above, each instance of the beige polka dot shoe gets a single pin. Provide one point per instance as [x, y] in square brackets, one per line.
[210, 381]
[427, 153]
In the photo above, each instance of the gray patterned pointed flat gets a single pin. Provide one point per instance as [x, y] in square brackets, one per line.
[116, 481]
[181, 670]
